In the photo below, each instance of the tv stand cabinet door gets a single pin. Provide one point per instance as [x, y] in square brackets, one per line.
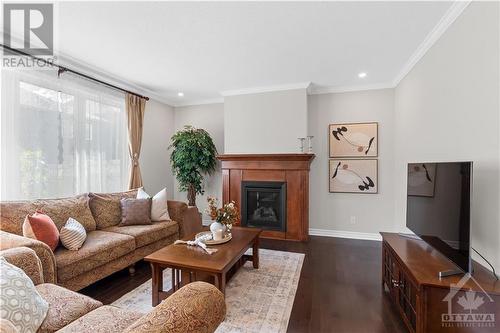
[390, 272]
[408, 300]
[402, 290]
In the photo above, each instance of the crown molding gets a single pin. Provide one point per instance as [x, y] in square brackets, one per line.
[455, 10]
[217, 100]
[264, 89]
[444, 23]
[343, 89]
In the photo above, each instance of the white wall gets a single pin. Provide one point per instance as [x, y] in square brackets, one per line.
[333, 211]
[154, 160]
[447, 108]
[211, 118]
[267, 122]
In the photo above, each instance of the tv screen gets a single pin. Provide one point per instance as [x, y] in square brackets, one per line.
[438, 207]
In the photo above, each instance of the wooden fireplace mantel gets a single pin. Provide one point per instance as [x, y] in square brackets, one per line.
[290, 168]
[266, 157]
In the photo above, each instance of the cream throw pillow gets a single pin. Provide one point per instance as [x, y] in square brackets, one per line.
[159, 208]
[72, 235]
[20, 302]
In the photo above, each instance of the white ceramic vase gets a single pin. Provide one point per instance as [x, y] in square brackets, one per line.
[216, 226]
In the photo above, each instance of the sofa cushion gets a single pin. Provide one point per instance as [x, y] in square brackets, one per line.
[147, 234]
[60, 210]
[65, 306]
[103, 320]
[12, 214]
[106, 208]
[100, 248]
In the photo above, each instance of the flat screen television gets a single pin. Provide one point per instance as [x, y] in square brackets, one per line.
[438, 208]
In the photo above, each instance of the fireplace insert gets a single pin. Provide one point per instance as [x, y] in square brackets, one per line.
[263, 205]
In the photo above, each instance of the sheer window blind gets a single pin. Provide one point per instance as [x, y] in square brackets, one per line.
[61, 136]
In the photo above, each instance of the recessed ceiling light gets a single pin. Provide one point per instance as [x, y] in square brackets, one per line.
[180, 94]
[362, 75]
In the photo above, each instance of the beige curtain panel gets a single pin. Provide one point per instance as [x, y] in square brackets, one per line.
[135, 118]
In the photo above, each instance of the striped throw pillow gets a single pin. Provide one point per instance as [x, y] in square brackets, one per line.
[72, 235]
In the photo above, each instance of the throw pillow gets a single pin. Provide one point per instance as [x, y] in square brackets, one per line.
[21, 304]
[159, 207]
[72, 235]
[135, 211]
[41, 227]
[105, 207]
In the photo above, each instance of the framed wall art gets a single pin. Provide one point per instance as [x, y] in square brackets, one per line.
[353, 140]
[353, 176]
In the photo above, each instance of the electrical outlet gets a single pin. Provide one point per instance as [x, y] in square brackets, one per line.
[352, 220]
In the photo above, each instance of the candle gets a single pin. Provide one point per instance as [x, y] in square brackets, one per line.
[218, 235]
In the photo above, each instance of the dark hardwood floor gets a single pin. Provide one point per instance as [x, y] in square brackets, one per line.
[339, 288]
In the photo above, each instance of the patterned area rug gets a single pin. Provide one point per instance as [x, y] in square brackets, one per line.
[257, 300]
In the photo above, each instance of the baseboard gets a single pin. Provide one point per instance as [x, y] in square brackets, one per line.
[334, 233]
[345, 234]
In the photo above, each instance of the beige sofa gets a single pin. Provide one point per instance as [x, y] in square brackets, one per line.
[108, 247]
[197, 307]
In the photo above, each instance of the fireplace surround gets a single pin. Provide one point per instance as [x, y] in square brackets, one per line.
[289, 170]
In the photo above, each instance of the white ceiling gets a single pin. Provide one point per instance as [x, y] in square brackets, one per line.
[203, 49]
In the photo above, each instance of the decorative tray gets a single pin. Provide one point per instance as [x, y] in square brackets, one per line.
[206, 237]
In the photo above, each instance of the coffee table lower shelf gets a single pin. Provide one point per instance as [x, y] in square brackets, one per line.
[181, 277]
[216, 269]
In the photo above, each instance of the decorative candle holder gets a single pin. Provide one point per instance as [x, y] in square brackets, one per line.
[309, 139]
[301, 144]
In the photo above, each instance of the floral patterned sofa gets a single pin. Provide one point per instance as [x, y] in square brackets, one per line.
[108, 247]
[196, 307]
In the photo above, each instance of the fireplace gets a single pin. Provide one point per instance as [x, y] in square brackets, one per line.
[271, 191]
[263, 205]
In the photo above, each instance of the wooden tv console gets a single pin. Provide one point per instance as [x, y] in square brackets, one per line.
[428, 303]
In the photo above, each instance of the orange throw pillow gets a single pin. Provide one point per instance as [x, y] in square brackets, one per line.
[41, 227]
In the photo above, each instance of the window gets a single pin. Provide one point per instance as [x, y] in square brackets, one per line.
[61, 137]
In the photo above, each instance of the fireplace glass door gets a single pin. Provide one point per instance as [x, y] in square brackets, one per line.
[264, 205]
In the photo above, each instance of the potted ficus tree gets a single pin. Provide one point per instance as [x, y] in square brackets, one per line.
[193, 156]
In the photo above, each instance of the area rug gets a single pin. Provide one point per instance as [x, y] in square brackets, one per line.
[257, 300]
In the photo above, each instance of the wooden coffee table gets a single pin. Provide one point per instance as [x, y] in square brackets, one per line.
[191, 263]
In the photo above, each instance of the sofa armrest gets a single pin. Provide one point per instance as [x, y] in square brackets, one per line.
[188, 217]
[27, 260]
[44, 253]
[197, 307]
